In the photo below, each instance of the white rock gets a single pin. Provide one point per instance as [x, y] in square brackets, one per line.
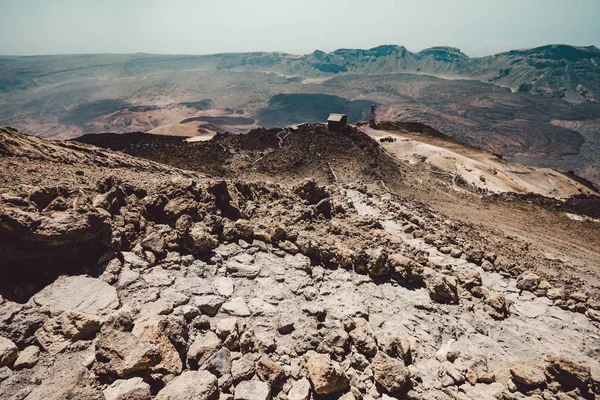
[158, 277]
[127, 277]
[259, 307]
[204, 346]
[5, 373]
[224, 286]
[27, 358]
[134, 260]
[78, 293]
[125, 389]
[236, 307]
[300, 390]
[8, 352]
[239, 270]
[252, 390]
[191, 385]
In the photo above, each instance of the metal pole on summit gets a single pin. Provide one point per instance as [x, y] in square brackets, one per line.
[372, 123]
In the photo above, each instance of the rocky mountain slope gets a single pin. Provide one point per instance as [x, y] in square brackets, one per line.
[123, 278]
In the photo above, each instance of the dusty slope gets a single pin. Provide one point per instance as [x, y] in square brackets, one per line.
[478, 168]
[211, 289]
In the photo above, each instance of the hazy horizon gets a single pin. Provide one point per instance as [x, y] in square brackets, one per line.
[35, 27]
[283, 52]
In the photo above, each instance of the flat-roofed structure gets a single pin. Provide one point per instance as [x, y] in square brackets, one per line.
[337, 121]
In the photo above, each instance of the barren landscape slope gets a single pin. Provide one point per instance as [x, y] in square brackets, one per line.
[192, 286]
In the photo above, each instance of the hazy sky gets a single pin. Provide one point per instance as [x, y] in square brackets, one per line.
[478, 27]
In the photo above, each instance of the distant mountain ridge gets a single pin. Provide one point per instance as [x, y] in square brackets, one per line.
[562, 71]
[568, 72]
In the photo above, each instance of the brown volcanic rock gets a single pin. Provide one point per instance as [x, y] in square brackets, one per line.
[389, 372]
[326, 375]
[567, 372]
[57, 333]
[122, 354]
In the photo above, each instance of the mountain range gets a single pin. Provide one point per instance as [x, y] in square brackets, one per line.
[563, 71]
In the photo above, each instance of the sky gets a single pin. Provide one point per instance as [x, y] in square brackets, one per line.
[477, 27]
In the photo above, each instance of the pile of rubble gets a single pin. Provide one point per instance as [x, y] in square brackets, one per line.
[196, 288]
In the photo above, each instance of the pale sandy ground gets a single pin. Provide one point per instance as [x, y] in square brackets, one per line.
[478, 168]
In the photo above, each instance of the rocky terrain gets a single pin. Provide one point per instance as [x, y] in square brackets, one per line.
[125, 278]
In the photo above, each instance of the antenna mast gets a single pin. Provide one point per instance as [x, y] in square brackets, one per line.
[372, 123]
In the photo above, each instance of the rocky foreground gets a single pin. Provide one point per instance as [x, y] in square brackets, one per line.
[128, 279]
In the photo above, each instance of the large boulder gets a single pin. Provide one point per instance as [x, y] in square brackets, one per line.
[128, 389]
[154, 330]
[390, 373]
[568, 373]
[122, 353]
[252, 390]
[527, 376]
[203, 347]
[78, 293]
[191, 385]
[326, 375]
[50, 240]
[8, 352]
[59, 332]
[442, 288]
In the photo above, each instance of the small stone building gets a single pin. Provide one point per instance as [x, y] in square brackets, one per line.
[337, 121]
